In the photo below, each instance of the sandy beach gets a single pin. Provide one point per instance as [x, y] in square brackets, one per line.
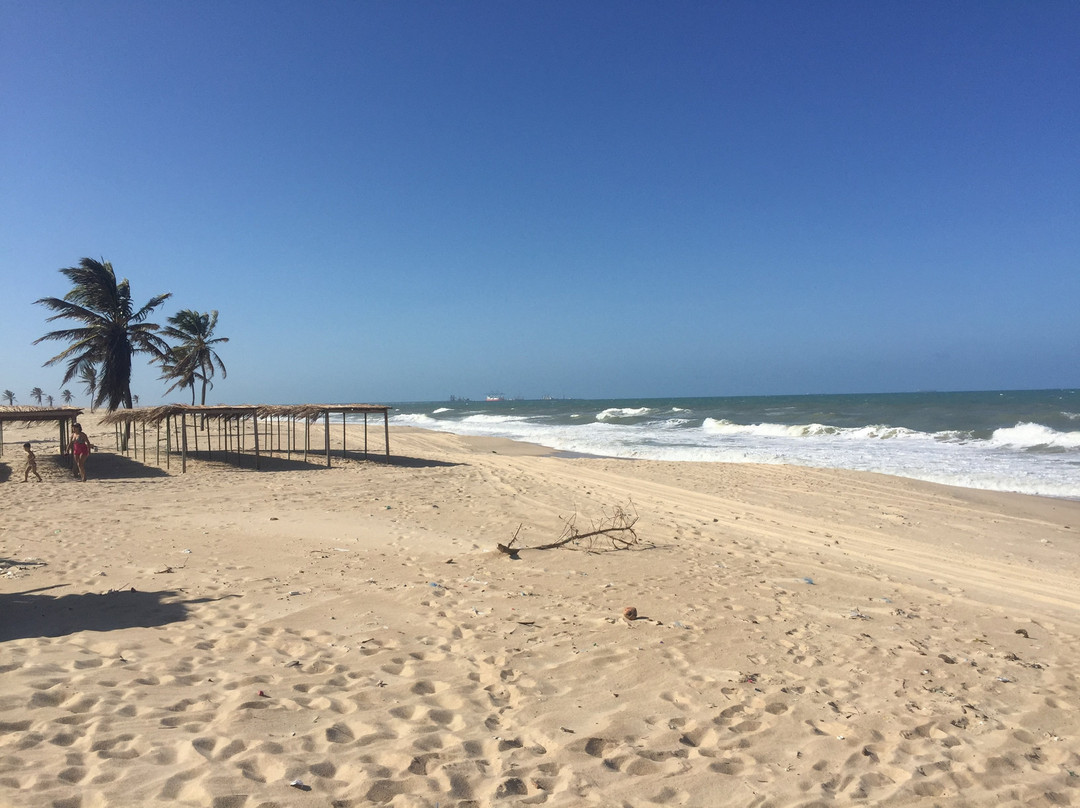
[352, 636]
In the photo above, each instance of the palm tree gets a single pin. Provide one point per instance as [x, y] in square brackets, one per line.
[174, 366]
[66, 396]
[194, 358]
[37, 394]
[9, 397]
[112, 331]
[49, 399]
[88, 377]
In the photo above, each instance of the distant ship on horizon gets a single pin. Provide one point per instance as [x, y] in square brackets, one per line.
[495, 397]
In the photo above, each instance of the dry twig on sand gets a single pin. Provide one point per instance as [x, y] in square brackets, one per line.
[613, 531]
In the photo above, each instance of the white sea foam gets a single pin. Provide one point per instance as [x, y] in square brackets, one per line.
[673, 423]
[483, 418]
[419, 419]
[872, 432]
[1027, 458]
[613, 413]
[1034, 436]
[441, 409]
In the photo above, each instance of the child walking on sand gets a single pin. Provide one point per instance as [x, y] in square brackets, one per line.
[31, 464]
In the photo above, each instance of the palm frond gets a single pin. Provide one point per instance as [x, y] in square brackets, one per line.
[112, 334]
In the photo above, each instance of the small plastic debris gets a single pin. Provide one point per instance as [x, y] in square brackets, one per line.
[300, 784]
[263, 695]
[809, 581]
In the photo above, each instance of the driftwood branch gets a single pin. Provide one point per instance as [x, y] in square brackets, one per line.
[613, 531]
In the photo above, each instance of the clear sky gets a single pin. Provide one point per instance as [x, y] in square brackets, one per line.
[392, 201]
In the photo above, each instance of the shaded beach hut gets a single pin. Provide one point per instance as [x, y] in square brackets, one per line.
[233, 427]
[63, 416]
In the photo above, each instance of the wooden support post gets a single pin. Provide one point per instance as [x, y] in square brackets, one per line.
[255, 430]
[168, 441]
[365, 434]
[326, 431]
[386, 430]
[183, 443]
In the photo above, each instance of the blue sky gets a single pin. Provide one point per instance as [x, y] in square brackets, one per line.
[392, 201]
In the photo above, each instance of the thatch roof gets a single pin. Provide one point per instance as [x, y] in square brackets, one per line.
[155, 415]
[29, 414]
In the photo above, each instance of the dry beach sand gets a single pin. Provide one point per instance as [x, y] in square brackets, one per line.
[304, 636]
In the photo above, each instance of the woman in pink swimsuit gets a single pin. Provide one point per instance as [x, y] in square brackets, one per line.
[80, 448]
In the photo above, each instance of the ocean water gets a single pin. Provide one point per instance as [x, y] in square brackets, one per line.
[1025, 441]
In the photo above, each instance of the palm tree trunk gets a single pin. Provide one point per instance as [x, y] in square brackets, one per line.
[125, 436]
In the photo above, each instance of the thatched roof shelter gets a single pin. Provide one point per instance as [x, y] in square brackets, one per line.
[62, 415]
[231, 416]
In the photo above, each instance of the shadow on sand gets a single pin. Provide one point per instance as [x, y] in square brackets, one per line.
[29, 614]
[267, 462]
[104, 466]
[114, 466]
